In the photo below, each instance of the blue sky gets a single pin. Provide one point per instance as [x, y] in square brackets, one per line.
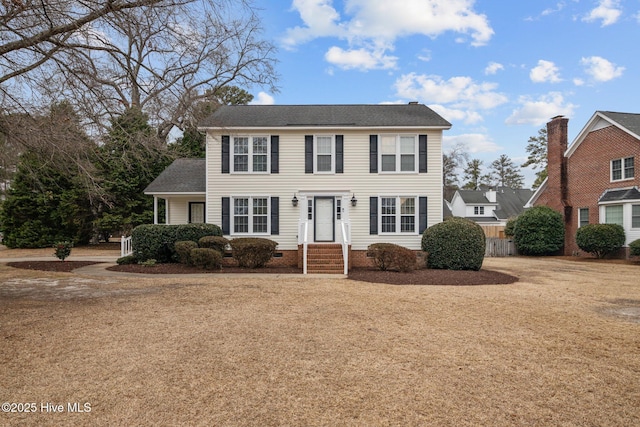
[498, 71]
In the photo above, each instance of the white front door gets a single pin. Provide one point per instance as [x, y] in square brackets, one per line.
[324, 219]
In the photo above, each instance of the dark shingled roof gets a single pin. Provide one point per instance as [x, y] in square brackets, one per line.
[181, 176]
[511, 202]
[474, 197]
[620, 195]
[628, 120]
[381, 115]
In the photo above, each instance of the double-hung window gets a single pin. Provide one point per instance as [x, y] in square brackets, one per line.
[250, 154]
[398, 214]
[635, 216]
[324, 159]
[613, 215]
[583, 217]
[398, 153]
[622, 169]
[250, 215]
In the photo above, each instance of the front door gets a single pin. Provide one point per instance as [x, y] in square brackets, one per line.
[324, 225]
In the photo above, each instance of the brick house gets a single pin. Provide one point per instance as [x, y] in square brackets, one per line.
[314, 178]
[593, 180]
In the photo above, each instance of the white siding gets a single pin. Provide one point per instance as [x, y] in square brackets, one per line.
[356, 179]
[179, 208]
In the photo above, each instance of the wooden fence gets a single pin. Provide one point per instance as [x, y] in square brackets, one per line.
[499, 247]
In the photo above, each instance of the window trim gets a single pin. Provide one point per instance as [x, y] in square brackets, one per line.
[398, 153]
[250, 154]
[250, 232]
[316, 154]
[580, 222]
[623, 169]
[398, 215]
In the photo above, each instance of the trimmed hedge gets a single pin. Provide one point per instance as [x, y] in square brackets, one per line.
[389, 256]
[218, 243]
[206, 258]
[539, 231]
[126, 260]
[252, 252]
[183, 250]
[157, 241]
[600, 239]
[634, 247]
[454, 244]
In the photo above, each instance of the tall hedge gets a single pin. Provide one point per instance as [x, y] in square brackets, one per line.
[455, 244]
[157, 241]
[539, 231]
[600, 239]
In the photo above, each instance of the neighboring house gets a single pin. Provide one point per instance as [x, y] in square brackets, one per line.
[595, 179]
[339, 176]
[491, 208]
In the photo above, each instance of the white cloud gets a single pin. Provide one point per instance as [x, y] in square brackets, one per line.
[474, 142]
[600, 69]
[362, 59]
[263, 99]
[379, 23]
[460, 92]
[545, 72]
[454, 115]
[538, 111]
[493, 68]
[608, 11]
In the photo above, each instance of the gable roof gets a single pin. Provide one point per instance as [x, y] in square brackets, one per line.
[511, 202]
[476, 197]
[627, 122]
[379, 115]
[181, 176]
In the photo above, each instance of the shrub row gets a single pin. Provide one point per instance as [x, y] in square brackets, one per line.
[388, 256]
[157, 241]
[249, 252]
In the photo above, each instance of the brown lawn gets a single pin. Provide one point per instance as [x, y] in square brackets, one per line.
[559, 347]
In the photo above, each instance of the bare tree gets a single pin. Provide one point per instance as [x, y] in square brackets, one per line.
[452, 161]
[34, 32]
[163, 60]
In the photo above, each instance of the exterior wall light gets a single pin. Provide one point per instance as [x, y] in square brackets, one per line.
[354, 201]
[294, 201]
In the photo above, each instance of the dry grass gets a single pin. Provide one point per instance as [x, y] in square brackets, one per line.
[548, 350]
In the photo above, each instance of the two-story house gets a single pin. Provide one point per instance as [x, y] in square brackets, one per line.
[490, 208]
[595, 179]
[313, 177]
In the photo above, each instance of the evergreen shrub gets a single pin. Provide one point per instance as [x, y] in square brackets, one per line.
[539, 231]
[218, 243]
[183, 250]
[389, 256]
[206, 258]
[634, 247]
[600, 239]
[454, 244]
[252, 252]
[157, 241]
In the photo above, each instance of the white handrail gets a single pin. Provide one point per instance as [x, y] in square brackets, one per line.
[345, 247]
[305, 244]
[126, 248]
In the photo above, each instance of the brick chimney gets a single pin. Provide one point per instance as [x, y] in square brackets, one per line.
[557, 141]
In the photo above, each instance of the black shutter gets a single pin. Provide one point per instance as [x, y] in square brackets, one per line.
[373, 215]
[373, 153]
[339, 154]
[422, 214]
[226, 211]
[275, 154]
[422, 153]
[275, 215]
[308, 154]
[225, 153]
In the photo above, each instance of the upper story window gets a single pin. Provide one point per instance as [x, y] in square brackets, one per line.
[478, 210]
[622, 169]
[324, 159]
[398, 214]
[250, 154]
[398, 153]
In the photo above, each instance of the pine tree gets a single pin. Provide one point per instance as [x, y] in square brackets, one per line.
[473, 176]
[505, 173]
[537, 149]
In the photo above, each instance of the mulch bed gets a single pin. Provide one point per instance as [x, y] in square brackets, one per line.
[416, 277]
[59, 266]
